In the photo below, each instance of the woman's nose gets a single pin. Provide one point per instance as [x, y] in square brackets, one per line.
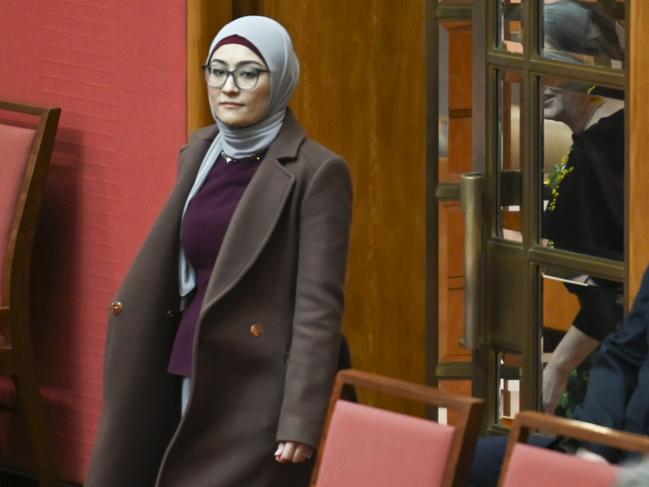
[230, 86]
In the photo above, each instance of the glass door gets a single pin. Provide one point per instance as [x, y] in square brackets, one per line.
[544, 206]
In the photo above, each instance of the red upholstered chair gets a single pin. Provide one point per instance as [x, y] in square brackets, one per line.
[364, 445]
[26, 139]
[531, 466]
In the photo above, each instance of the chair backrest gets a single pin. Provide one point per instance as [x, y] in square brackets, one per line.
[364, 445]
[370, 446]
[26, 140]
[15, 146]
[533, 466]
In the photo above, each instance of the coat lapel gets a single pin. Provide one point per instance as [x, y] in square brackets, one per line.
[256, 214]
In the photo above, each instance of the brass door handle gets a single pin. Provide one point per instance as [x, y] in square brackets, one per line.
[471, 201]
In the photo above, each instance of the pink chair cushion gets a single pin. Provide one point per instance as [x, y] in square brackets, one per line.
[531, 466]
[369, 446]
[15, 146]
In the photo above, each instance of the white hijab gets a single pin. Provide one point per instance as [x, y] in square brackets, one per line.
[274, 44]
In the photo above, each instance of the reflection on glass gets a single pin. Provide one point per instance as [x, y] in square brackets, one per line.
[443, 80]
[454, 95]
[587, 32]
[579, 311]
[510, 26]
[508, 375]
[509, 154]
[463, 388]
[583, 144]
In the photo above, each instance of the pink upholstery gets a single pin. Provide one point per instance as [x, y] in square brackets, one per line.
[530, 466]
[15, 146]
[373, 447]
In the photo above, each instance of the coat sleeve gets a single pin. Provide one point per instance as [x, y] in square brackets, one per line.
[325, 219]
[618, 387]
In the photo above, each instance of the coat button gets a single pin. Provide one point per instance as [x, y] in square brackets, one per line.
[117, 307]
[171, 314]
[256, 330]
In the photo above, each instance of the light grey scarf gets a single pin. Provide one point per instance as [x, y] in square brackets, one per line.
[634, 475]
[274, 43]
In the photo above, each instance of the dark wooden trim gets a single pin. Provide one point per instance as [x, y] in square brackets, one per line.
[459, 113]
[593, 266]
[454, 371]
[448, 191]
[453, 12]
[241, 8]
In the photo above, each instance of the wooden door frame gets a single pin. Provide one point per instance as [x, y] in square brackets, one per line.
[637, 133]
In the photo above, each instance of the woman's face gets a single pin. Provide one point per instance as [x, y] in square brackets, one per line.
[230, 104]
[564, 105]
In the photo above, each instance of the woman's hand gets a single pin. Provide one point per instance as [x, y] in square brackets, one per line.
[292, 452]
[573, 348]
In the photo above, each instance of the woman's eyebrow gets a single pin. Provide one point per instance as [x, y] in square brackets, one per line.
[240, 63]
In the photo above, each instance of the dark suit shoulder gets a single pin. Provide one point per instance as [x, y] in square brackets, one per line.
[312, 156]
[204, 133]
[317, 153]
[194, 150]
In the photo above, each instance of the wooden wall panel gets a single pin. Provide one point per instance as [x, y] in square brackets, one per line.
[459, 69]
[638, 133]
[459, 101]
[459, 147]
[362, 94]
[451, 217]
[458, 387]
[451, 283]
[559, 306]
[204, 19]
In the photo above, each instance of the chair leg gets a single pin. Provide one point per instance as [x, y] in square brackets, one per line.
[31, 406]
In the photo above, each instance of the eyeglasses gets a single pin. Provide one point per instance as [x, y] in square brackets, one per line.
[245, 77]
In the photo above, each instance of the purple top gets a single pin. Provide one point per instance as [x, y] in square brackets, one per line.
[204, 225]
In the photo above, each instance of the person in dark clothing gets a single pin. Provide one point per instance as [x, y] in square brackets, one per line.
[585, 214]
[585, 211]
[617, 395]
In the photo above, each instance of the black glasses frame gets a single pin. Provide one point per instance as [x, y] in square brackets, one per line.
[206, 68]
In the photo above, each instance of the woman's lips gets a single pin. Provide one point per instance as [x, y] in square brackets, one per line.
[230, 105]
[547, 100]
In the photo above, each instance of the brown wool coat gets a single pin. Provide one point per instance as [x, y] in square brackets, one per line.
[281, 267]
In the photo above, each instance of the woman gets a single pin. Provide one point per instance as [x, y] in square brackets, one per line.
[585, 212]
[259, 220]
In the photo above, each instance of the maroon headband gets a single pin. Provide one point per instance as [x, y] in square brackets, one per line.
[235, 39]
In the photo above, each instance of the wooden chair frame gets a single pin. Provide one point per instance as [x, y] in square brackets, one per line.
[526, 421]
[16, 357]
[469, 411]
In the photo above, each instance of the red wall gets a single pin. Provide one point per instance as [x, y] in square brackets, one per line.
[117, 69]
